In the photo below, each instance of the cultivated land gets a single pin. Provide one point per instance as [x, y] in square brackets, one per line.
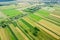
[30, 24]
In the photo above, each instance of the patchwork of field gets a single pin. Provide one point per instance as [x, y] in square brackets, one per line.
[30, 24]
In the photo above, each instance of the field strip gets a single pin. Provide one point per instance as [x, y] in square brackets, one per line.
[3, 36]
[50, 33]
[21, 24]
[35, 38]
[28, 20]
[50, 26]
[21, 33]
[9, 33]
[54, 22]
[17, 34]
[28, 29]
[40, 27]
[55, 15]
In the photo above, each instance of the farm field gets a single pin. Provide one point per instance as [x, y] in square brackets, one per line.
[30, 24]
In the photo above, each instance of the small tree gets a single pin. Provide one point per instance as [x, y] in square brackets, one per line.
[4, 24]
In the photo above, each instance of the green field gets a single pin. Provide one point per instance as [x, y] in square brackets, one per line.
[11, 12]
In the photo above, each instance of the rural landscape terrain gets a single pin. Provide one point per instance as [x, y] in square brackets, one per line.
[30, 21]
